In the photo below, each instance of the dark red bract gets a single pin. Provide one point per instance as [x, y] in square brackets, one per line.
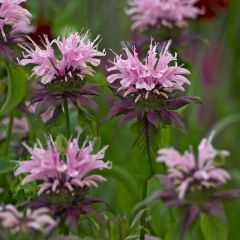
[211, 7]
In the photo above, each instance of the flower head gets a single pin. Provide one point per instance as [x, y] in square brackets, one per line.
[63, 169]
[31, 220]
[158, 74]
[193, 183]
[77, 54]
[162, 12]
[190, 174]
[14, 22]
[149, 86]
[62, 65]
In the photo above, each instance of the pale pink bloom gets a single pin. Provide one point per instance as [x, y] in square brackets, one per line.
[68, 172]
[77, 56]
[17, 222]
[167, 13]
[20, 127]
[189, 173]
[158, 74]
[14, 19]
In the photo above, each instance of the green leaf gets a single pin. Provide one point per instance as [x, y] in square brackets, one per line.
[173, 231]
[212, 228]
[6, 165]
[144, 151]
[17, 88]
[123, 176]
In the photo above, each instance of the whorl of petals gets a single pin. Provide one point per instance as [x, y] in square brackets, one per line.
[77, 56]
[189, 173]
[166, 13]
[56, 174]
[159, 73]
[15, 17]
[38, 220]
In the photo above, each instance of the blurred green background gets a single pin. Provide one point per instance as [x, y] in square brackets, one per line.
[214, 61]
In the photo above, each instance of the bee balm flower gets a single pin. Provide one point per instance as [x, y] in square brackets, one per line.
[61, 65]
[31, 220]
[149, 87]
[14, 23]
[189, 174]
[77, 54]
[162, 12]
[193, 183]
[63, 172]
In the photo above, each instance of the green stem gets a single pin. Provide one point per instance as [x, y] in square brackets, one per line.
[143, 218]
[67, 119]
[9, 134]
[145, 183]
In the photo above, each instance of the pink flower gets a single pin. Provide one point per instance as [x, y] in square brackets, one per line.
[14, 20]
[167, 13]
[149, 89]
[77, 55]
[158, 75]
[17, 222]
[20, 127]
[191, 174]
[66, 171]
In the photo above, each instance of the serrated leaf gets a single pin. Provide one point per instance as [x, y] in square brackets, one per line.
[144, 152]
[17, 88]
[212, 228]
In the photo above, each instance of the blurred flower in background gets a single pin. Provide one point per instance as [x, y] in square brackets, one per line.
[27, 222]
[14, 24]
[193, 184]
[149, 13]
[189, 174]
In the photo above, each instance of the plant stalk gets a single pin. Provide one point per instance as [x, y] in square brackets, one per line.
[143, 218]
[145, 183]
[67, 118]
[9, 134]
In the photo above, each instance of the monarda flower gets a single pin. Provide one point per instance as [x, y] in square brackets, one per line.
[65, 172]
[193, 183]
[189, 174]
[148, 89]
[61, 66]
[168, 13]
[14, 23]
[26, 222]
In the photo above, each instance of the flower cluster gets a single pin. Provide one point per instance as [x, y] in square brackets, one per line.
[62, 65]
[193, 184]
[14, 22]
[189, 174]
[149, 86]
[31, 220]
[162, 12]
[76, 54]
[158, 74]
[63, 169]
